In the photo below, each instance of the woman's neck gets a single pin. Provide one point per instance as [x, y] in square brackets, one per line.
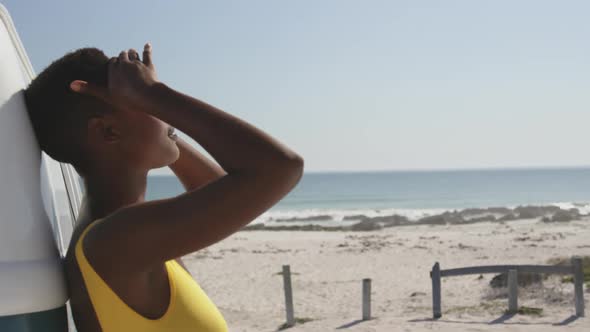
[106, 193]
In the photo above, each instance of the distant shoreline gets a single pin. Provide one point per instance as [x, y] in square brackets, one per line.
[544, 213]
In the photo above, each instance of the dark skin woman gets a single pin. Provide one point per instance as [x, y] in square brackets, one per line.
[132, 237]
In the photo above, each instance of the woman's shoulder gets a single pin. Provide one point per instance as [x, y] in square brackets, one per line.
[80, 229]
[83, 312]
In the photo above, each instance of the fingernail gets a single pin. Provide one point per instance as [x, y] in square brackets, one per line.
[75, 86]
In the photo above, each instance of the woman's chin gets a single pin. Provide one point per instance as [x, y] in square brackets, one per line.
[168, 157]
[174, 155]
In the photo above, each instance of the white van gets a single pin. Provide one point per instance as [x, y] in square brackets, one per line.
[39, 202]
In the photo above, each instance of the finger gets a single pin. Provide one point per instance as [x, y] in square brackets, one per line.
[133, 55]
[111, 67]
[86, 88]
[123, 56]
[112, 61]
[147, 54]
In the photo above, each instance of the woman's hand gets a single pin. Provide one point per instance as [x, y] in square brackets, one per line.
[128, 79]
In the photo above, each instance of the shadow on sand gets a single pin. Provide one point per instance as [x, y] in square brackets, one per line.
[500, 320]
[347, 325]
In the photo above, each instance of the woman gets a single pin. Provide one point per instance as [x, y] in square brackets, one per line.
[113, 120]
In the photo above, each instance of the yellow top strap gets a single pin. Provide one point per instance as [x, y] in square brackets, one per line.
[190, 309]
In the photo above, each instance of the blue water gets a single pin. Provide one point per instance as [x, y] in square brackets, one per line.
[412, 192]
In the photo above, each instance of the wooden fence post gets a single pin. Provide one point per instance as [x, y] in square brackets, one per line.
[366, 299]
[512, 291]
[578, 285]
[288, 295]
[436, 291]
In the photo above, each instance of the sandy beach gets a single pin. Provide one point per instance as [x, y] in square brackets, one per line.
[242, 275]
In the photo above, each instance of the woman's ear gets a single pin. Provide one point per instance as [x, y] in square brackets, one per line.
[103, 130]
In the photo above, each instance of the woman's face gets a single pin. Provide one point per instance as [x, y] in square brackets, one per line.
[146, 140]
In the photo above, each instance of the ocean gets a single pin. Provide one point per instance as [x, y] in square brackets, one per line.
[338, 198]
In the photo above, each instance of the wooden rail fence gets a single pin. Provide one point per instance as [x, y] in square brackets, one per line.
[574, 269]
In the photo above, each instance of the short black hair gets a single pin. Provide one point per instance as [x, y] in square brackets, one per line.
[59, 116]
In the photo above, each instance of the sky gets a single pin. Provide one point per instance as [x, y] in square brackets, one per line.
[359, 85]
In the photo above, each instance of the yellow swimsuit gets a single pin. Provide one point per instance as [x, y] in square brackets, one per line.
[190, 309]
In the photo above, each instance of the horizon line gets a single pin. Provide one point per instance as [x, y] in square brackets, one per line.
[451, 169]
